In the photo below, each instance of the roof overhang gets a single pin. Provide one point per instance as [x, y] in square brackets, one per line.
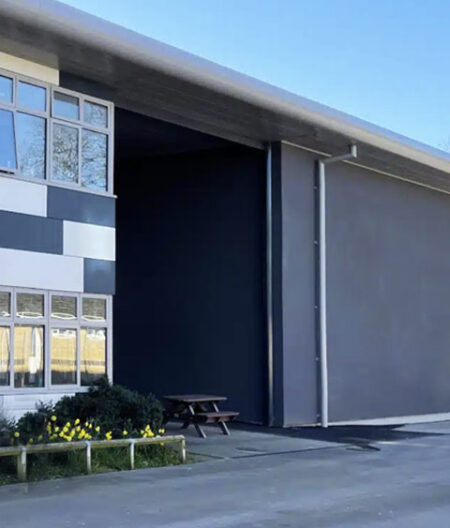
[150, 77]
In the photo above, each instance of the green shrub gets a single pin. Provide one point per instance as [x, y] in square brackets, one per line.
[6, 427]
[112, 408]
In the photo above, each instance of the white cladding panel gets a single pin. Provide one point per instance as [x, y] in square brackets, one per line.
[30, 269]
[89, 241]
[23, 197]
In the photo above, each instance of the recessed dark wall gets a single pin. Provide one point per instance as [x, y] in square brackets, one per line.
[189, 308]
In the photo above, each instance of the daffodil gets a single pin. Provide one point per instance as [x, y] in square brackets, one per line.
[53, 418]
[17, 434]
[56, 429]
[39, 438]
[108, 435]
[161, 431]
[125, 433]
[97, 429]
[77, 421]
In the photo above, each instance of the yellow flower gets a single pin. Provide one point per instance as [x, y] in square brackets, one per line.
[77, 421]
[57, 429]
[125, 433]
[86, 424]
[97, 429]
[53, 418]
[78, 428]
[67, 424]
[161, 431]
[30, 441]
[142, 432]
[88, 437]
[90, 426]
[53, 437]
[108, 435]
[39, 438]
[16, 434]
[147, 428]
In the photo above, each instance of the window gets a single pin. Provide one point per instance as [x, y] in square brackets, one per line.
[94, 160]
[5, 304]
[65, 153]
[31, 132]
[47, 341]
[8, 159]
[66, 106]
[64, 307]
[5, 345]
[96, 114]
[63, 348]
[30, 306]
[32, 96]
[75, 130]
[93, 354]
[6, 89]
[28, 356]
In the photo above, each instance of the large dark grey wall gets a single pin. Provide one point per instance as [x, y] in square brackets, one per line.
[189, 308]
[388, 296]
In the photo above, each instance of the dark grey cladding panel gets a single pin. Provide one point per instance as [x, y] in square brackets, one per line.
[31, 233]
[99, 276]
[77, 206]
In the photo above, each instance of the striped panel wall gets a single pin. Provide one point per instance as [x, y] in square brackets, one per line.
[56, 239]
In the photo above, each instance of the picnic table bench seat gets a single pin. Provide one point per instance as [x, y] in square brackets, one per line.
[198, 409]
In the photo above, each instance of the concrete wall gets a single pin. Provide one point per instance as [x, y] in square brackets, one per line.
[189, 309]
[389, 296]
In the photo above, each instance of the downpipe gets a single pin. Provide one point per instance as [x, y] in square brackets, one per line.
[269, 288]
[323, 338]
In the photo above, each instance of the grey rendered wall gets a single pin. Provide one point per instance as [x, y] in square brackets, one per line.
[298, 286]
[388, 296]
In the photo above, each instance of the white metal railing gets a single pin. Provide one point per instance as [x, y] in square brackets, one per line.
[21, 452]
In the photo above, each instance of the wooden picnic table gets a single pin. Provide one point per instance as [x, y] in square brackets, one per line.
[198, 409]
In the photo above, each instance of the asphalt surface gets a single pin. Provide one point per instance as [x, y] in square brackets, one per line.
[353, 479]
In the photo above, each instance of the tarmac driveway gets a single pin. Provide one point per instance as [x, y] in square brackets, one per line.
[400, 480]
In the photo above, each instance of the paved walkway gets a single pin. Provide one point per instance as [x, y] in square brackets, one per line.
[399, 480]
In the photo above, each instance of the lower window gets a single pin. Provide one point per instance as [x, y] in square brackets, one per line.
[28, 356]
[52, 339]
[63, 351]
[5, 341]
[93, 354]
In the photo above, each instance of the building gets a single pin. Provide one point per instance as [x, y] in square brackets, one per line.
[256, 244]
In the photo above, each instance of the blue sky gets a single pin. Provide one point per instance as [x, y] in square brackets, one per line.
[386, 61]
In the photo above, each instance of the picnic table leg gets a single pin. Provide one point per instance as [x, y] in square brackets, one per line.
[199, 430]
[222, 425]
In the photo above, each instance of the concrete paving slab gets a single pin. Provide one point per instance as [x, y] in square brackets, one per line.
[244, 442]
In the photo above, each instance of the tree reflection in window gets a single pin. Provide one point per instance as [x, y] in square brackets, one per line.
[31, 145]
[7, 145]
[65, 153]
[94, 160]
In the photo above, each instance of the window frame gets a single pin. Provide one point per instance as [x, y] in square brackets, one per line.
[47, 322]
[50, 118]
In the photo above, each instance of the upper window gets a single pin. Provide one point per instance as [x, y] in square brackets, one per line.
[66, 106]
[8, 158]
[6, 89]
[75, 130]
[32, 96]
